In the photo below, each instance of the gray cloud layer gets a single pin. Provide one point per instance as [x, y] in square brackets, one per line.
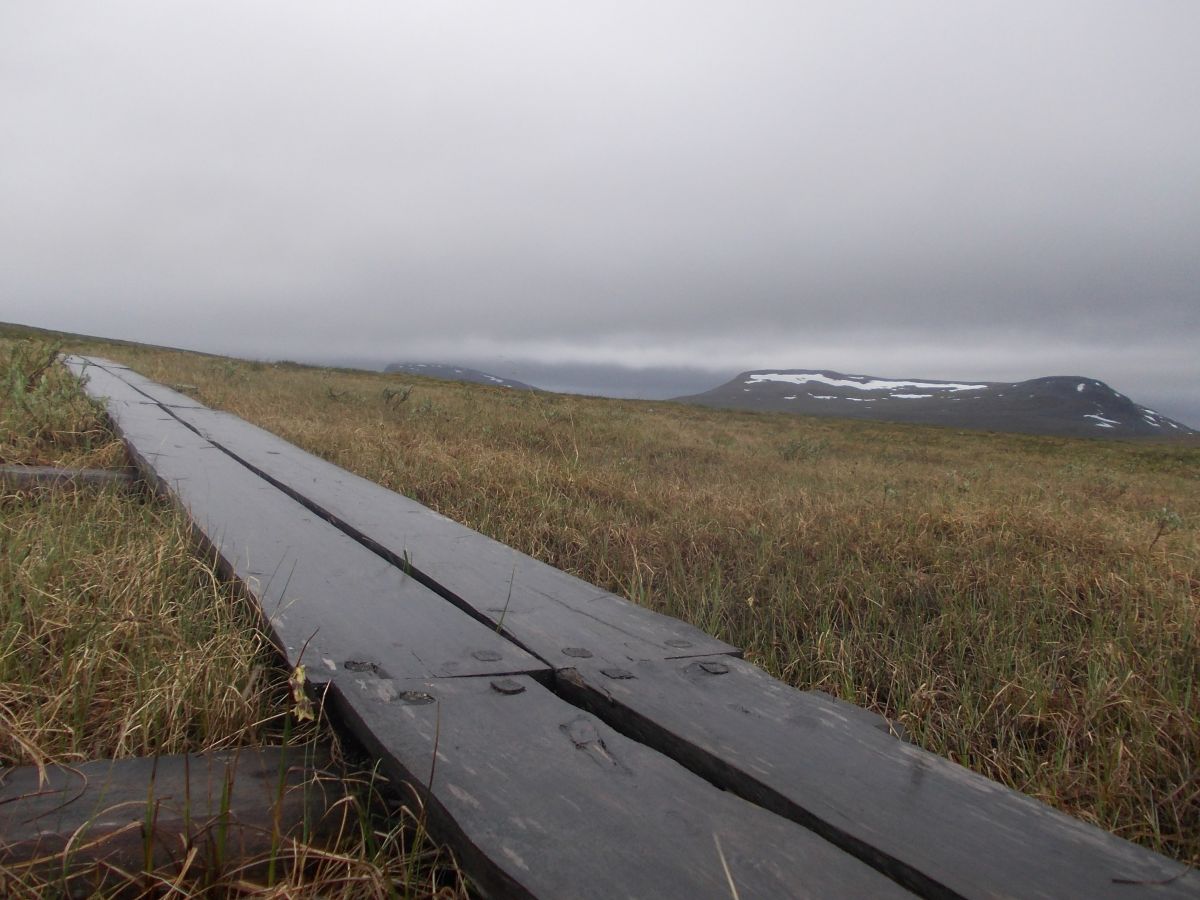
[968, 189]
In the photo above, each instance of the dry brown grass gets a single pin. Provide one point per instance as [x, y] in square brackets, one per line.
[1027, 606]
[117, 640]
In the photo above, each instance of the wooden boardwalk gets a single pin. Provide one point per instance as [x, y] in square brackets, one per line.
[569, 743]
[231, 806]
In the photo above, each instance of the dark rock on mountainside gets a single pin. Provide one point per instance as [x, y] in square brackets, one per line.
[1065, 405]
[458, 373]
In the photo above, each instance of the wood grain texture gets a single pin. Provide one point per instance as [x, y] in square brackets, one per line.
[935, 826]
[545, 800]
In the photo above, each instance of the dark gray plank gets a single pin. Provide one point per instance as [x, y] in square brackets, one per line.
[931, 824]
[106, 363]
[158, 393]
[99, 808]
[53, 476]
[554, 615]
[102, 383]
[549, 612]
[329, 601]
[544, 800]
[926, 822]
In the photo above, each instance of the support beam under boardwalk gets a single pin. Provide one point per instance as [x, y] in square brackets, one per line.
[132, 815]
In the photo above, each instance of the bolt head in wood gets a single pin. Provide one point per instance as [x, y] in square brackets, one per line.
[415, 698]
[507, 686]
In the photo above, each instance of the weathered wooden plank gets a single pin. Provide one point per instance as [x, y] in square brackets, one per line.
[152, 390]
[103, 383]
[231, 805]
[555, 615]
[920, 819]
[102, 361]
[53, 476]
[935, 826]
[330, 602]
[546, 610]
[547, 801]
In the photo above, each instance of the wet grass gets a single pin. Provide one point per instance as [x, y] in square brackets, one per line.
[117, 640]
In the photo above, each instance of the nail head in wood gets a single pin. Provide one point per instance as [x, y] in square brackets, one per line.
[507, 686]
[415, 698]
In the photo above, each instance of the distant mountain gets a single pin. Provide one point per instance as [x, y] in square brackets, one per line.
[1066, 405]
[457, 373]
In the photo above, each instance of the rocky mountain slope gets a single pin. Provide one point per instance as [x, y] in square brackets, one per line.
[1061, 405]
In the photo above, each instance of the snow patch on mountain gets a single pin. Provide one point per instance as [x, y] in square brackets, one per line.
[860, 382]
[1060, 404]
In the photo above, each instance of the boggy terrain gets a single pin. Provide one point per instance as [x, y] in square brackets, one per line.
[1027, 606]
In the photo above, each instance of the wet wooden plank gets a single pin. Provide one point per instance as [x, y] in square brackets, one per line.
[544, 800]
[102, 383]
[927, 823]
[151, 390]
[935, 826]
[99, 809]
[102, 361]
[546, 610]
[558, 617]
[53, 476]
[329, 602]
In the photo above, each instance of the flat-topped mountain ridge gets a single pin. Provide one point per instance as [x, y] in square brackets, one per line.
[1067, 405]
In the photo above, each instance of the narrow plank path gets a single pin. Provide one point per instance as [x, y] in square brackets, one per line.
[544, 609]
[614, 730]
[540, 798]
[331, 604]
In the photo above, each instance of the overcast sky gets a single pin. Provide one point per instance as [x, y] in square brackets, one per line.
[952, 189]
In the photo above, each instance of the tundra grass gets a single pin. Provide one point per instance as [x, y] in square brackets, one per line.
[117, 640]
[1026, 606]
